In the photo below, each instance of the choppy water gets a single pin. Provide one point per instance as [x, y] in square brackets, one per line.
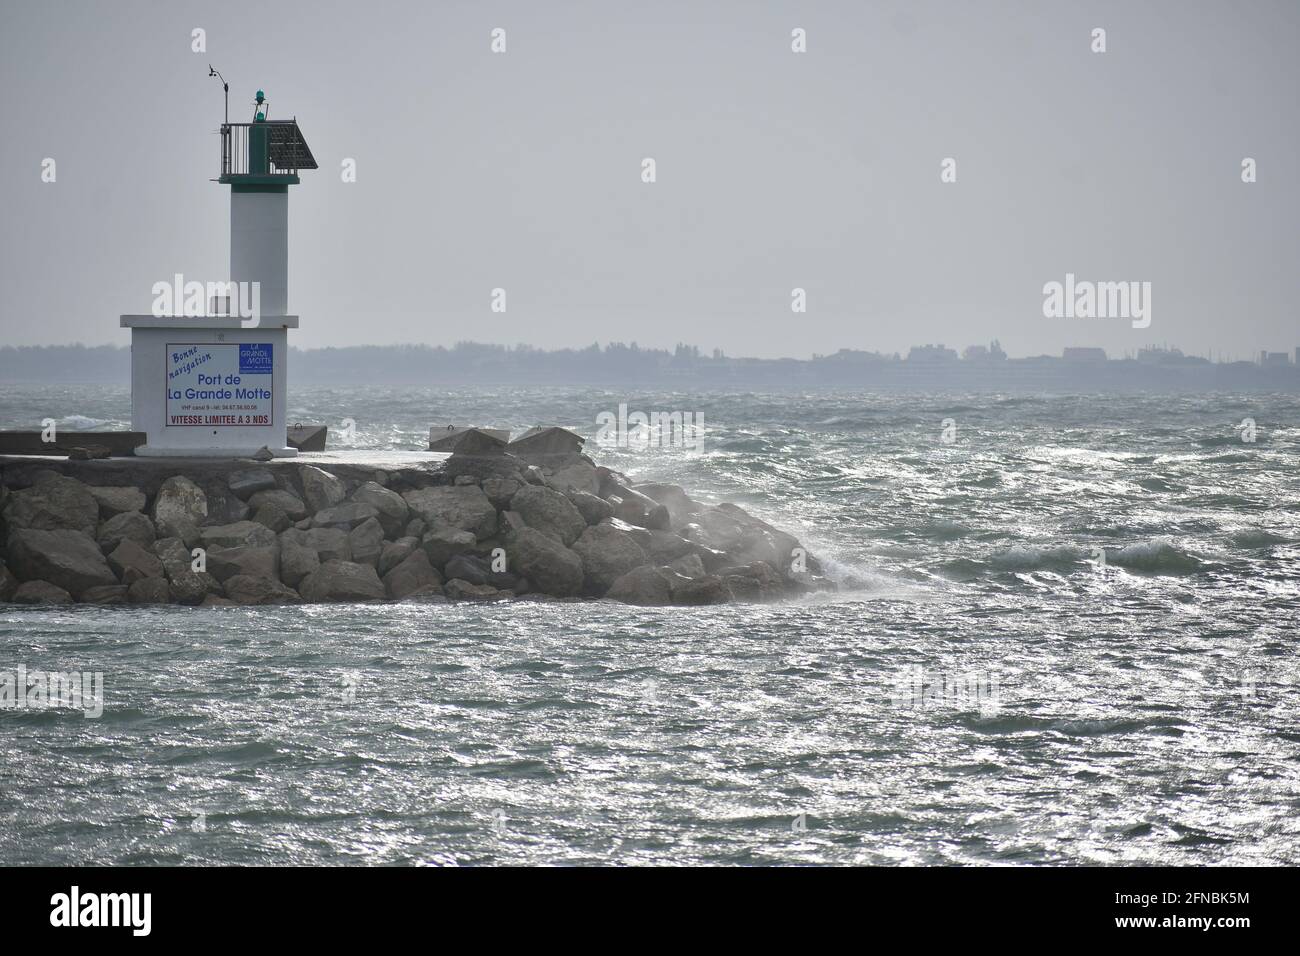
[1144, 711]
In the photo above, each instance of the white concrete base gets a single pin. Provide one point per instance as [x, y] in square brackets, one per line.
[183, 414]
[147, 451]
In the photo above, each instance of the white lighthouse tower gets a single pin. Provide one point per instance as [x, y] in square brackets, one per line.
[209, 374]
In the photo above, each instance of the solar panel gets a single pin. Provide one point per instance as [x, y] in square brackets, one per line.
[287, 148]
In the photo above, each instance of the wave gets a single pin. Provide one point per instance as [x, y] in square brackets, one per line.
[1073, 727]
[1256, 538]
[84, 423]
[961, 570]
[1156, 483]
[1159, 556]
[1234, 459]
[1222, 500]
[1029, 557]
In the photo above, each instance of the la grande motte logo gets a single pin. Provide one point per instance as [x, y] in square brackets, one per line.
[103, 909]
[1098, 300]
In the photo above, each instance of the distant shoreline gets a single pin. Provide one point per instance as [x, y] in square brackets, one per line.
[621, 365]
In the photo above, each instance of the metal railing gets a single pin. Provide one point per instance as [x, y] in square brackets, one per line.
[281, 150]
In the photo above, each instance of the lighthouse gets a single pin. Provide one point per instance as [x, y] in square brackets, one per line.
[209, 363]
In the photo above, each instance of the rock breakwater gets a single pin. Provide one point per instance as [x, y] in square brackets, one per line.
[472, 527]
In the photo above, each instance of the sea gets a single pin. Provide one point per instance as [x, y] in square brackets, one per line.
[1066, 633]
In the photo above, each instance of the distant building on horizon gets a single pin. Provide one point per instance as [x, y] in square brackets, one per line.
[984, 353]
[1083, 354]
[1160, 355]
[1275, 359]
[931, 353]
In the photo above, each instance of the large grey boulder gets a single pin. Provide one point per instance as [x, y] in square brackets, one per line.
[549, 565]
[189, 587]
[549, 512]
[611, 481]
[251, 589]
[459, 590]
[744, 538]
[366, 541]
[8, 583]
[131, 562]
[594, 510]
[40, 592]
[510, 523]
[249, 481]
[681, 507]
[394, 553]
[117, 500]
[56, 504]
[345, 516]
[330, 544]
[297, 560]
[664, 547]
[709, 589]
[641, 536]
[179, 508]
[240, 534]
[482, 466]
[175, 557]
[273, 516]
[758, 581]
[460, 507]
[689, 566]
[342, 581]
[224, 506]
[468, 567]
[442, 544]
[647, 586]
[105, 594]
[178, 564]
[607, 554]
[69, 559]
[478, 570]
[500, 491]
[151, 590]
[258, 561]
[127, 526]
[286, 501]
[321, 489]
[579, 476]
[638, 509]
[414, 574]
[390, 508]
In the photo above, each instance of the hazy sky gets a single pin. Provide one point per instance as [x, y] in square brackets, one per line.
[775, 170]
